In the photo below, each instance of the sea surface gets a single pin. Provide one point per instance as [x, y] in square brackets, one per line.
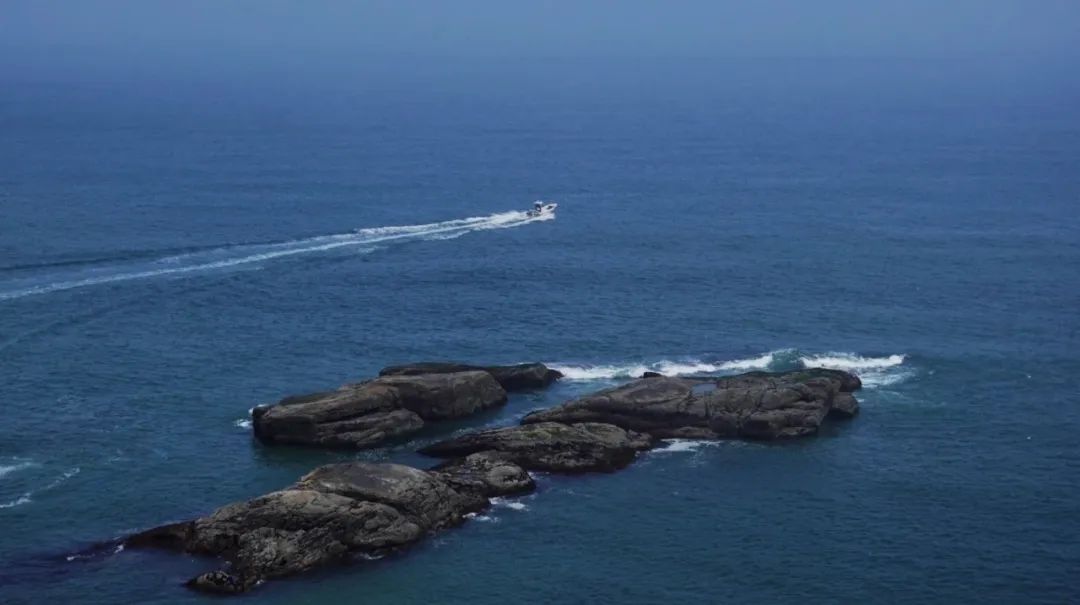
[175, 250]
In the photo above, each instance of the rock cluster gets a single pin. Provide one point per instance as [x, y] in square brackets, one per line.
[333, 513]
[358, 508]
[397, 404]
[757, 405]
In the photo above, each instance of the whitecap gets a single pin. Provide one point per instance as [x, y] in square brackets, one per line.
[873, 371]
[18, 466]
[28, 496]
[667, 367]
[243, 423]
[512, 505]
[597, 372]
[673, 446]
[851, 361]
[23, 499]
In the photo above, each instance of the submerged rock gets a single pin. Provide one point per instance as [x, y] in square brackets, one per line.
[512, 378]
[756, 405]
[371, 413]
[551, 446]
[328, 515]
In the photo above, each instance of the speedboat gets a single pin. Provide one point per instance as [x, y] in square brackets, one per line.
[542, 208]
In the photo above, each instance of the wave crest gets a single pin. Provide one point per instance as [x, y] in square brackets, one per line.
[874, 371]
[27, 497]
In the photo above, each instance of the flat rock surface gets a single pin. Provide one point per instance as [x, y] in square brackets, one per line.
[372, 413]
[512, 378]
[552, 446]
[757, 405]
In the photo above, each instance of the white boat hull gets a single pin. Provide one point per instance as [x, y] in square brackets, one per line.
[544, 210]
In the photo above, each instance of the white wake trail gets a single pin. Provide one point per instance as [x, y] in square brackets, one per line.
[235, 256]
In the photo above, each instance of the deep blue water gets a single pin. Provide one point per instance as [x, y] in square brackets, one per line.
[173, 252]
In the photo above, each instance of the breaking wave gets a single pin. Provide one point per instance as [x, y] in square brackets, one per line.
[18, 466]
[27, 497]
[674, 446]
[684, 367]
[511, 504]
[874, 371]
[240, 255]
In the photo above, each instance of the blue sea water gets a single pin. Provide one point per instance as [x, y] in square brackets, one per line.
[173, 252]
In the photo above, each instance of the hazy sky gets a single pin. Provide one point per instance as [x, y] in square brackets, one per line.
[571, 29]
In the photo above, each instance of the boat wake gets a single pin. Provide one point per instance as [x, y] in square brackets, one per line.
[245, 255]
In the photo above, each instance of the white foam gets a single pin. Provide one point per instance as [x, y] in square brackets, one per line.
[28, 496]
[674, 446]
[23, 499]
[666, 367]
[753, 363]
[234, 256]
[598, 372]
[479, 517]
[512, 505]
[851, 361]
[18, 466]
[68, 474]
[873, 371]
[243, 423]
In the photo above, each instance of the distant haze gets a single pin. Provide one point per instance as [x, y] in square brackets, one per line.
[128, 32]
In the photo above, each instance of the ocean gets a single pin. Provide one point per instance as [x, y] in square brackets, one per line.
[175, 251]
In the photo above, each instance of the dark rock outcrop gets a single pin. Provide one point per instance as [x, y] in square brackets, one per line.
[512, 378]
[330, 514]
[371, 413]
[757, 405]
[485, 474]
[359, 508]
[844, 406]
[551, 446]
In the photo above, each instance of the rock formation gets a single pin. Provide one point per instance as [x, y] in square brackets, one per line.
[551, 446]
[395, 405]
[342, 510]
[333, 513]
[757, 405]
[512, 378]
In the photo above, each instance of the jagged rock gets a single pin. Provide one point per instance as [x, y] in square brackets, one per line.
[846, 382]
[551, 446]
[485, 474]
[652, 375]
[220, 582]
[367, 508]
[756, 405]
[330, 513]
[420, 495]
[371, 413]
[653, 405]
[512, 378]
[844, 405]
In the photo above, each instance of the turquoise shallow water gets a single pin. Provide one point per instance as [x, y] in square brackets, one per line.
[169, 260]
